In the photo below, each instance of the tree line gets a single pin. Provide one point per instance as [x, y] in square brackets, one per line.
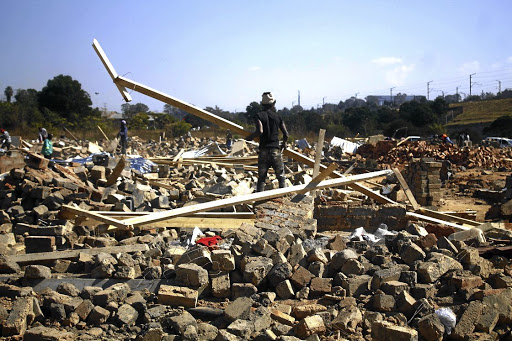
[63, 103]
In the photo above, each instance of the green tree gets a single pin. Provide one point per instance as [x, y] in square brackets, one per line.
[174, 111]
[178, 128]
[252, 109]
[139, 121]
[65, 96]
[8, 93]
[130, 110]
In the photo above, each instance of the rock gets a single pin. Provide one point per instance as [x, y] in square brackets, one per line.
[41, 333]
[7, 266]
[279, 273]
[296, 254]
[385, 331]
[84, 309]
[301, 277]
[302, 311]
[352, 267]
[177, 296]
[383, 302]
[126, 315]
[68, 289]
[317, 255]
[242, 290]
[255, 269]
[98, 315]
[222, 260]
[192, 275]
[180, 322]
[445, 243]
[37, 272]
[241, 328]
[206, 331]
[285, 290]
[467, 322]
[238, 309]
[310, 325]
[348, 319]
[356, 286]
[21, 315]
[115, 293]
[385, 275]
[412, 253]
[431, 328]
[220, 284]
[320, 286]
[437, 266]
[341, 257]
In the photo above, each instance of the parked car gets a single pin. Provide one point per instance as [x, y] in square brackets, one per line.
[501, 142]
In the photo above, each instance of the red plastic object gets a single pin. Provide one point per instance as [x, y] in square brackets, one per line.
[209, 241]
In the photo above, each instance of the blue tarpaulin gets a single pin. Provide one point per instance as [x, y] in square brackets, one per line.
[137, 162]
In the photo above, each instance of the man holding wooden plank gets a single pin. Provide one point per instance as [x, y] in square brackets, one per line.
[268, 123]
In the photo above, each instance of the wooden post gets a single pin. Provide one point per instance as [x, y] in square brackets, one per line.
[318, 156]
[407, 191]
[103, 133]
[70, 133]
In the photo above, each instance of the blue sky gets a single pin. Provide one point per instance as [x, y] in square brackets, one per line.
[226, 53]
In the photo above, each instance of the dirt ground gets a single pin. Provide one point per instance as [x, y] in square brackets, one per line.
[458, 193]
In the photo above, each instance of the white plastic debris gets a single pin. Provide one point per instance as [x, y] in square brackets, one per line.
[195, 233]
[361, 234]
[447, 318]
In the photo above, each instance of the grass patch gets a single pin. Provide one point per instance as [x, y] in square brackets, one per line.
[481, 112]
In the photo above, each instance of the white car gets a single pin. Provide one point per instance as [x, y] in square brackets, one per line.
[501, 142]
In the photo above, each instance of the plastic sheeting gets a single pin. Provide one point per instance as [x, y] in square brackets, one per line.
[302, 144]
[345, 145]
[137, 162]
[211, 149]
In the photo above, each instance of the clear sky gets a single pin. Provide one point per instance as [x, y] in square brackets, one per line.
[226, 53]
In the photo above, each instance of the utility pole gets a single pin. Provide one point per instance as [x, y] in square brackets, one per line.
[298, 97]
[470, 83]
[391, 95]
[428, 90]
[499, 86]
[457, 93]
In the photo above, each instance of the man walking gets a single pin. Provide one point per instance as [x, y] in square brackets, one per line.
[43, 134]
[268, 123]
[5, 139]
[123, 136]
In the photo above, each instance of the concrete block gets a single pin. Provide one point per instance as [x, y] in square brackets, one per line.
[285, 290]
[192, 275]
[177, 296]
[309, 326]
[238, 309]
[386, 331]
[21, 315]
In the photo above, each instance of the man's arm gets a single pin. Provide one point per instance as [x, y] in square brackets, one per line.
[282, 126]
[257, 132]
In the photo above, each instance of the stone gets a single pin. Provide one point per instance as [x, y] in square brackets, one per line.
[206, 331]
[386, 331]
[222, 260]
[406, 303]
[84, 309]
[385, 275]
[445, 243]
[467, 322]
[383, 302]
[57, 311]
[487, 320]
[285, 290]
[68, 289]
[296, 254]
[412, 253]
[180, 322]
[255, 269]
[317, 255]
[153, 272]
[320, 286]
[238, 309]
[436, 266]
[242, 290]
[88, 292]
[302, 294]
[310, 325]
[41, 333]
[221, 286]
[199, 255]
[115, 293]
[416, 230]
[8, 266]
[21, 315]
[394, 287]
[126, 315]
[341, 257]
[224, 335]
[357, 285]
[337, 243]
[37, 272]
[177, 296]
[352, 267]
[317, 269]
[192, 275]
[348, 319]
[431, 328]
[125, 272]
[281, 317]
[279, 273]
[302, 311]
[241, 328]
[301, 277]
[98, 315]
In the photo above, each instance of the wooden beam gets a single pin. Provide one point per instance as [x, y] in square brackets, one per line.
[448, 217]
[407, 191]
[177, 157]
[70, 133]
[259, 196]
[209, 215]
[436, 221]
[316, 180]
[66, 209]
[110, 69]
[118, 169]
[44, 256]
[104, 135]
[318, 155]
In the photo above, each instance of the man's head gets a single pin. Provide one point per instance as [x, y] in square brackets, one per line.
[123, 122]
[50, 136]
[268, 101]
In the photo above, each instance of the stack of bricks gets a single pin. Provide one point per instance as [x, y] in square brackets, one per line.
[424, 180]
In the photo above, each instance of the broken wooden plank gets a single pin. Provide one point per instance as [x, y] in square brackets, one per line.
[191, 222]
[118, 169]
[407, 191]
[436, 221]
[178, 156]
[44, 256]
[312, 185]
[224, 215]
[110, 69]
[318, 154]
[70, 133]
[259, 196]
[80, 212]
[104, 135]
[448, 217]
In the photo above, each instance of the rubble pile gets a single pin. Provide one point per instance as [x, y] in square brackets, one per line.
[481, 157]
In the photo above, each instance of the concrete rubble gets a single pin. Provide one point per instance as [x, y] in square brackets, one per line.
[290, 273]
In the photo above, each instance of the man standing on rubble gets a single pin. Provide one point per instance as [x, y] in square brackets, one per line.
[268, 123]
[43, 134]
[123, 135]
[5, 139]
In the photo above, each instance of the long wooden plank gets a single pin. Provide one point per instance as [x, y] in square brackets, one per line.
[275, 193]
[449, 217]
[436, 221]
[110, 69]
[43, 256]
[318, 155]
[104, 135]
[316, 180]
[407, 191]
[209, 215]
[235, 128]
[99, 217]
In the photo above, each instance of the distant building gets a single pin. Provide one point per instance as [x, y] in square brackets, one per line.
[397, 100]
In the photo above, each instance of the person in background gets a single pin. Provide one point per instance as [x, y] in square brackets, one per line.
[123, 135]
[268, 123]
[5, 138]
[229, 139]
[47, 150]
[446, 139]
[43, 134]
